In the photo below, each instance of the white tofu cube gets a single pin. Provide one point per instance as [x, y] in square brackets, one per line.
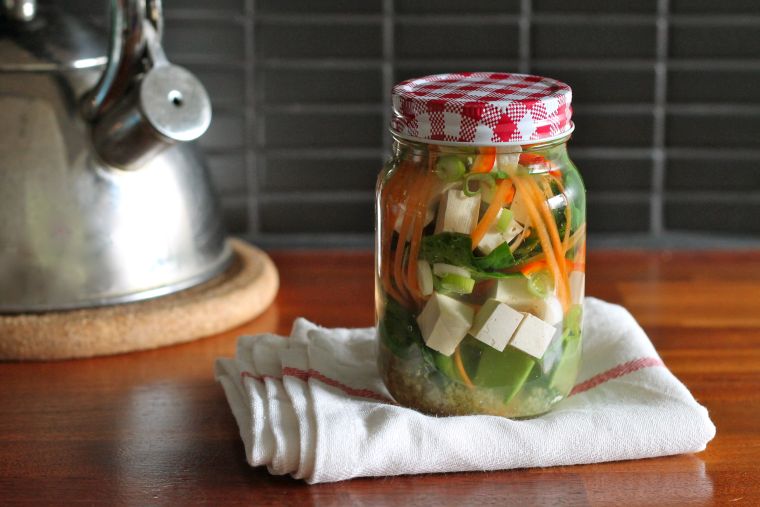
[495, 323]
[548, 309]
[519, 211]
[457, 212]
[533, 336]
[491, 241]
[514, 292]
[444, 322]
[494, 238]
[577, 280]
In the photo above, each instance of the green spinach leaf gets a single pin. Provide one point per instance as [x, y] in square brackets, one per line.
[455, 248]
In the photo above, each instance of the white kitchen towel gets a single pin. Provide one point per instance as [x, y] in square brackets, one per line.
[313, 405]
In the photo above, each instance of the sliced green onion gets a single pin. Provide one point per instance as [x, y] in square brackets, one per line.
[499, 175]
[505, 218]
[449, 168]
[457, 284]
[479, 177]
[540, 283]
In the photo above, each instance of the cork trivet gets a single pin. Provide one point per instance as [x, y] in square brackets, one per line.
[238, 295]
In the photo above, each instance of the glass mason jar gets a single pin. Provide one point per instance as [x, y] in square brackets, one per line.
[480, 246]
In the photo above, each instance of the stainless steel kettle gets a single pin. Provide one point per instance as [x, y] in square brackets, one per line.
[102, 198]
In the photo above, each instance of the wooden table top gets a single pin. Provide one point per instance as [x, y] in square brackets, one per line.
[153, 428]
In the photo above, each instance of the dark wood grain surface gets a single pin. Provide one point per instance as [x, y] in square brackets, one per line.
[153, 428]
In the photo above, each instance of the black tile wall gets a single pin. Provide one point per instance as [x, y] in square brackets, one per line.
[340, 86]
[713, 7]
[602, 174]
[455, 40]
[590, 38]
[603, 86]
[457, 6]
[708, 39]
[713, 172]
[595, 6]
[321, 174]
[323, 130]
[301, 216]
[714, 130]
[286, 39]
[321, 6]
[731, 216]
[714, 85]
[666, 102]
[612, 129]
[617, 215]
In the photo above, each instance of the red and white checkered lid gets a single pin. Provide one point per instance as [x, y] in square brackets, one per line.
[483, 108]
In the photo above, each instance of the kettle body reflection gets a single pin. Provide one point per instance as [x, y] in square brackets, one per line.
[103, 197]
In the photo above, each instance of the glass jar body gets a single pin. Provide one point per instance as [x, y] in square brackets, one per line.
[480, 274]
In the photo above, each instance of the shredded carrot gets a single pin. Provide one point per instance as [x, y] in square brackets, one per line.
[460, 368]
[391, 197]
[533, 266]
[527, 158]
[504, 193]
[420, 209]
[580, 259]
[409, 217]
[551, 224]
[543, 237]
[484, 162]
[573, 240]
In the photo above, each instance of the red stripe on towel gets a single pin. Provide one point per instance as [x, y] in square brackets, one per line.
[611, 374]
[351, 391]
[616, 372]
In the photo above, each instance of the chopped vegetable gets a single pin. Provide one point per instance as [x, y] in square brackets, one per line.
[507, 371]
[533, 336]
[495, 323]
[503, 195]
[450, 168]
[540, 283]
[441, 269]
[481, 259]
[503, 220]
[444, 322]
[457, 212]
[453, 248]
[484, 162]
[425, 278]
[460, 368]
[456, 284]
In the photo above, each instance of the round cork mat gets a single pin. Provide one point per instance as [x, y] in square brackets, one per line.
[236, 296]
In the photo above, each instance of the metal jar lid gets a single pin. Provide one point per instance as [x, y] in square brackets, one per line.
[482, 108]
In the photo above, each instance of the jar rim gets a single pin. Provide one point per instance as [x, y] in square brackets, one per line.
[563, 137]
[542, 141]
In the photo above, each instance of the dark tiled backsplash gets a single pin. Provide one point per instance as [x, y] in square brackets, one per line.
[665, 94]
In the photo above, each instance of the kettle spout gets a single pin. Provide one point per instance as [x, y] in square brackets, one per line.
[167, 106]
[143, 104]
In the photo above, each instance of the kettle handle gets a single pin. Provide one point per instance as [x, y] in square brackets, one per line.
[126, 47]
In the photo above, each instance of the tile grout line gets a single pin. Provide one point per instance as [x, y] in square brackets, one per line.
[388, 68]
[526, 13]
[659, 162]
[252, 130]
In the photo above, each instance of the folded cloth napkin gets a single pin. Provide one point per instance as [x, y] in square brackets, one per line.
[313, 406]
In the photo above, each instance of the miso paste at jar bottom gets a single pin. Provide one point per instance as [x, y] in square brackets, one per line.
[480, 246]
